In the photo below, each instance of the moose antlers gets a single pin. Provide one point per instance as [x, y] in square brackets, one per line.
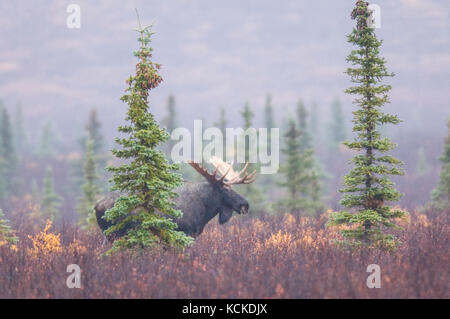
[232, 177]
[228, 175]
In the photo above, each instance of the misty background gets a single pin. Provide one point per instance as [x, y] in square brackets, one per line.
[223, 54]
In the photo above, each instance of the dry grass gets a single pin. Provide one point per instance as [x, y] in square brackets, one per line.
[265, 257]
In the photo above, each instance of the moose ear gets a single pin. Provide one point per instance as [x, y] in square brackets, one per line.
[225, 215]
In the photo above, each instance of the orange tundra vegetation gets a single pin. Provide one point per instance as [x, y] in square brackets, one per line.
[264, 256]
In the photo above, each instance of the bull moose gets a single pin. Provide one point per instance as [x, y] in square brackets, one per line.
[199, 202]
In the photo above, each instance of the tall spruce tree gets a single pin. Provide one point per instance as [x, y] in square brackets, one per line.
[51, 201]
[440, 196]
[90, 188]
[147, 181]
[368, 186]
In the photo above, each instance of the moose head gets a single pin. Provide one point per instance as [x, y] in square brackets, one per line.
[221, 181]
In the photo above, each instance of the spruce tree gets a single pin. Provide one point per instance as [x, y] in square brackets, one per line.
[269, 117]
[4, 190]
[302, 116]
[46, 143]
[314, 123]
[90, 188]
[147, 180]
[6, 233]
[247, 116]
[368, 186]
[20, 136]
[337, 133]
[292, 169]
[221, 124]
[440, 196]
[170, 121]
[76, 178]
[20, 147]
[251, 191]
[266, 181]
[3, 165]
[269, 120]
[35, 191]
[311, 168]
[51, 202]
[93, 132]
[8, 158]
[301, 177]
[422, 166]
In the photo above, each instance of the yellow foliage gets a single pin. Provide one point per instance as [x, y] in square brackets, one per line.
[289, 220]
[258, 226]
[423, 220]
[77, 248]
[45, 243]
[281, 241]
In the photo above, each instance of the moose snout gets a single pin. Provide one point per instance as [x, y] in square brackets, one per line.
[243, 208]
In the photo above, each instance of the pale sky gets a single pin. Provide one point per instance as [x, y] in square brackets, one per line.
[216, 53]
